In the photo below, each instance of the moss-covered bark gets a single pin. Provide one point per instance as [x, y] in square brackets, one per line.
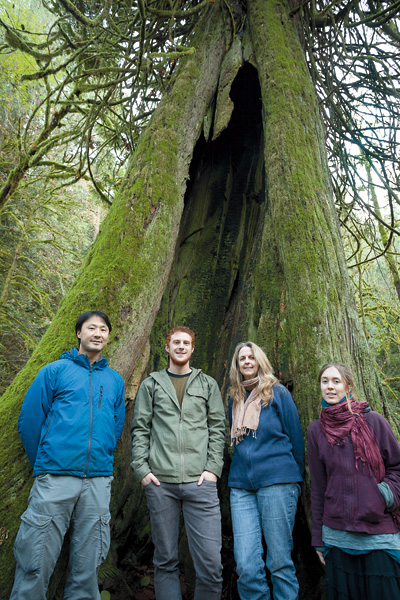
[302, 219]
[267, 261]
[127, 269]
[219, 236]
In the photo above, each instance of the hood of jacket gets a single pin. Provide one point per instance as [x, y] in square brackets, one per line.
[83, 359]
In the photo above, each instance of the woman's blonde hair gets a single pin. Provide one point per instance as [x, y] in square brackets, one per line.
[265, 375]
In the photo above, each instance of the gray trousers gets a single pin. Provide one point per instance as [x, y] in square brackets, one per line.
[56, 503]
[202, 518]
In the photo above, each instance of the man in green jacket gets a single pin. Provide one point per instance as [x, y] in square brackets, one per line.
[178, 437]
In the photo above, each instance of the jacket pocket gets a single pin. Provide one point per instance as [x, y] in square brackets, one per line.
[371, 505]
[31, 540]
[194, 407]
[104, 524]
[163, 455]
[47, 429]
[100, 397]
[334, 498]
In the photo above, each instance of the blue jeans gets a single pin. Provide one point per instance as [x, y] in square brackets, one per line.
[202, 517]
[56, 503]
[270, 511]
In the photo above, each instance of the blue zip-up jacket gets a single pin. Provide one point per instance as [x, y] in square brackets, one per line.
[72, 417]
[276, 454]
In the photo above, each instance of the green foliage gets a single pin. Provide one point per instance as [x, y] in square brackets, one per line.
[44, 235]
[373, 256]
[145, 581]
[15, 93]
[102, 75]
[352, 50]
[107, 571]
[50, 222]
[379, 309]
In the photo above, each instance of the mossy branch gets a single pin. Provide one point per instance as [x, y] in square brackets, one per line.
[79, 16]
[17, 42]
[190, 12]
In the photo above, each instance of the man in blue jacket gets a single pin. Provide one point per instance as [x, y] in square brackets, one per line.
[70, 422]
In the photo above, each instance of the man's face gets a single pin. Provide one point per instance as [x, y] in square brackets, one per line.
[93, 336]
[180, 348]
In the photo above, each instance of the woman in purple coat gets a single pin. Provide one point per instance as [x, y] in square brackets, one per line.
[354, 461]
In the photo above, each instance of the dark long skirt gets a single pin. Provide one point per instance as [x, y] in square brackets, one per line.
[372, 576]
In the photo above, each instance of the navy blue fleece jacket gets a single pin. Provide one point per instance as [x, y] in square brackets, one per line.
[276, 454]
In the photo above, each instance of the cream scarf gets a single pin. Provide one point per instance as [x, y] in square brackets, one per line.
[246, 415]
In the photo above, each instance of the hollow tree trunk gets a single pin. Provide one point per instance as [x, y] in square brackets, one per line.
[259, 253]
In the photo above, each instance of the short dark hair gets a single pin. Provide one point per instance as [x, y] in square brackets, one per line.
[86, 315]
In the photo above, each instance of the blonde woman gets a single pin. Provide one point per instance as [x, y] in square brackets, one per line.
[354, 461]
[265, 475]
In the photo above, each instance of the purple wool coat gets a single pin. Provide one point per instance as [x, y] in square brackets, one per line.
[348, 498]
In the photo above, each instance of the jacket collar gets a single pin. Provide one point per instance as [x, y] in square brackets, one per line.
[162, 378]
[83, 360]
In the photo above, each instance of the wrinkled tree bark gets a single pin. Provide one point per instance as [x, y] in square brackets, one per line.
[227, 216]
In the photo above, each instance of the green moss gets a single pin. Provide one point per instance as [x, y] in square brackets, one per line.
[216, 246]
[224, 106]
[315, 319]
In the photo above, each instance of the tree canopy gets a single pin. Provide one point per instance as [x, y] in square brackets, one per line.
[352, 50]
[105, 66]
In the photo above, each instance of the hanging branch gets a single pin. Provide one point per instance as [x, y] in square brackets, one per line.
[352, 50]
[104, 72]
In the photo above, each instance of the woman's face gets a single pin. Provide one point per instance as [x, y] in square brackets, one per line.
[333, 386]
[248, 365]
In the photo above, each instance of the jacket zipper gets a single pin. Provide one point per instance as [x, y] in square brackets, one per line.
[91, 421]
[182, 458]
[100, 397]
[181, 430]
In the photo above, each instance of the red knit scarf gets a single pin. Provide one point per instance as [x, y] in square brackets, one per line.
[337, 422]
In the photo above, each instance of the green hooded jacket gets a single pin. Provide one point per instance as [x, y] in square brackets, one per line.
[178, 443]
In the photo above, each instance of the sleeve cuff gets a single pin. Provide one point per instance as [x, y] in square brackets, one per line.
[386, 493]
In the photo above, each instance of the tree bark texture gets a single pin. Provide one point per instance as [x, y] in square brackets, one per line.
[244, 244]
[302, 220]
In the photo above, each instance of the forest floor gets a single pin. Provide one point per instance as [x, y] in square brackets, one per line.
[137, 582]
[141, 587]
